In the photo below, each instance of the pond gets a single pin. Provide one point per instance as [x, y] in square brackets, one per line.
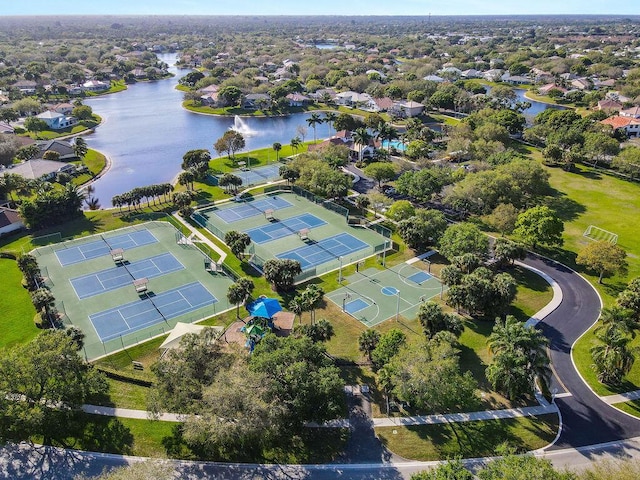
[145, 133]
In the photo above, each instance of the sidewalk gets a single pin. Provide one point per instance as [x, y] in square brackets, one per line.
[202, 238]
[621, 397]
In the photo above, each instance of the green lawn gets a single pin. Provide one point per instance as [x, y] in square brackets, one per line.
[95, 162]
[474, 439]
[16, 322]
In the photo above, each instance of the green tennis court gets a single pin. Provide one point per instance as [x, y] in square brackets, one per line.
[376, 295]
[298, 226]
[98, 293]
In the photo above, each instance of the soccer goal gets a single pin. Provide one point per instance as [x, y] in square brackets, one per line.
[600, 235]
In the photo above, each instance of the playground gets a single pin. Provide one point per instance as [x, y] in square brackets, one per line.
[285, 224]
[376, 295]
[131, 284]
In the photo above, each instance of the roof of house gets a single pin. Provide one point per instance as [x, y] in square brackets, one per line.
[63, 147]
[631, 112]
[410, 104]
[609, 103]
[36, 168]
[9, 217]
[50, 114]
[6, 128]
[620, 122]
[331, 141]
[384, 103]
[297, 97]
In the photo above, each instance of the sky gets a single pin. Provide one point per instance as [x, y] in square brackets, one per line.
[323, 7]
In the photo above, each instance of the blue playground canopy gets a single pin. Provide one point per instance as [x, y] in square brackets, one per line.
[264, 307]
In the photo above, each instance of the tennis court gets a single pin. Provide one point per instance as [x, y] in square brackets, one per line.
[98, 248]
[251, 208]
[282, 228]
[324, 250]
[259, 174]
[375, 295]
[154, 309]
[123, 274]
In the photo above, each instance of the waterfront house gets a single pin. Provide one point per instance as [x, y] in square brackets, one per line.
[56, 121]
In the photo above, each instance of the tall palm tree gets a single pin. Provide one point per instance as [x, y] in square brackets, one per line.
[387, 132]
[277, 147]
[368, 341]
[295, 143]
[362, 137]
[313, 122]
[80, 148]
[329, 118]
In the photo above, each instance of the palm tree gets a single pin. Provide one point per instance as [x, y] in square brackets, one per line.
[368, 341]
[313, 121]
[80, 148]
[387, 132]
[613, 358]
[618, 317]
[329, 118]
[362, 137]
[362, 202]
[43, 300]
[277, 147]
[295, 143]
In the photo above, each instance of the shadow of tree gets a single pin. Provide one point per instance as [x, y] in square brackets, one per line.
[566, 208]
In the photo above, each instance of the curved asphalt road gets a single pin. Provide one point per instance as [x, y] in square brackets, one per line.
[586, 420]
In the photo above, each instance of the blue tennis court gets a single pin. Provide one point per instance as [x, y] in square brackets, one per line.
[420, 277]
[99, 248]
[140, 314]
[283, 228]
[253, 208]
[324, 250]
[120, 276]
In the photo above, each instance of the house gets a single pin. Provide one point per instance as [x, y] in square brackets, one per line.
[633, 112]
[492, 75]
[297, 99]
[617, 96]
[515, 79]
[471, 73]
[407, 109]
[95, 86]
[63, 148]
[10, 221]
[209, 99]
[608, 83]
[581, 84]
[209, 89]
[138, 73]
[434, 78]
[609, 105]
[6, 128]
[56, 121]
[545, 89]
[26, 86]
[383, 104]
[255, 101]
[353, 99]
[63, 108]
[41, 169]
[630, 125]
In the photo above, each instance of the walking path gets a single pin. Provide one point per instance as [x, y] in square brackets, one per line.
[621, 397]
[202, 238]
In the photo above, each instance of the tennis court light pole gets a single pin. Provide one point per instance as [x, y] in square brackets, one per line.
[340, 272]
[397, 304]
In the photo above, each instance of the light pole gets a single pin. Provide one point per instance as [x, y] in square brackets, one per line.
[384, 253]
[340, 272]
[397, 304]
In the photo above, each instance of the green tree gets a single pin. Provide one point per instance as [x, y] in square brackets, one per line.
[362, 203]
[368, 341]
[463, 238]
[230, 95]
[434, 320]
[424, 229]
[82, 112]
[612, 356]
[28, 265]
[539, 225]
[344, 121]
[196, 159]
[289, 174]
[361, 139]
[450, 470]
[239, 291]
[512, 467]
[380, 172]
[520, 358]
[320, 331]
[401, 210]
[276, 148]
[281, 273]
[34, 124]
[603, 257]
[313, 121]
[388, 346]
[230, 142]
[48, 382]
[80, 147]
[507, 252]
[503, 218]
[237, 242]
[599, 147]
[628, 161]
[629, 298]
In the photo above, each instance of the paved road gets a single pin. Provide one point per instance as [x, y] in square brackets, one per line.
[586, 419]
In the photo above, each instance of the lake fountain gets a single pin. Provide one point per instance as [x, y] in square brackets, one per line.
[240, 126]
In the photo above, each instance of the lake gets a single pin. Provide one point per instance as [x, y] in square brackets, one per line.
[145, 132]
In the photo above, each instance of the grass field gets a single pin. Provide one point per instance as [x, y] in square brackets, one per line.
[474, 439]
[16, 322]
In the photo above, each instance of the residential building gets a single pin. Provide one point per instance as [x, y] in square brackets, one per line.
[10, 221]
[630, 125]
[56, 121]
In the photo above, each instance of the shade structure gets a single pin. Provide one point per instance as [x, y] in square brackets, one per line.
[265, 307]
[181, 329]
[252, 330]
